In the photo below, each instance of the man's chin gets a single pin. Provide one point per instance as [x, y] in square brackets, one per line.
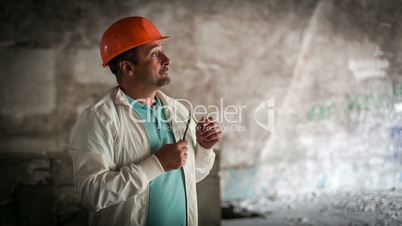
[163, 81]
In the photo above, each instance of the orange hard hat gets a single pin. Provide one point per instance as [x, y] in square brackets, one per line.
[126, 34]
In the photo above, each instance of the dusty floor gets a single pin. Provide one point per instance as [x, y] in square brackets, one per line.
[379, 208]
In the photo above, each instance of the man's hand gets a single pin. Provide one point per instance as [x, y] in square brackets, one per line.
[208, 133]
[173, 156]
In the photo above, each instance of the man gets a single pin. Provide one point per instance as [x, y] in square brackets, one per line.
[133, 162]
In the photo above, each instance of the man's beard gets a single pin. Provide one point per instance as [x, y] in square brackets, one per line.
[164, 80]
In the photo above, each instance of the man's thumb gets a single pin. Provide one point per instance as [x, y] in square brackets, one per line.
[182, 143]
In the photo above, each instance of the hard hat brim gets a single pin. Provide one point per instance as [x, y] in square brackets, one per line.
[105, 64]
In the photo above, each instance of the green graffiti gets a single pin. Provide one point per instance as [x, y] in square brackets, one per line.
[321, 112]
[357, 103]
[398, 91]
[369, 102]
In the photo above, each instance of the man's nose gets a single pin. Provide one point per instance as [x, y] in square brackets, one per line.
[165, 59]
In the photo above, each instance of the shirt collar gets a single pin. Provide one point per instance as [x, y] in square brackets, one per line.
[119, 98]
[140, 106]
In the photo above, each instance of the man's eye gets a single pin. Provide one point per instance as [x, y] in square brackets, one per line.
[155, 54]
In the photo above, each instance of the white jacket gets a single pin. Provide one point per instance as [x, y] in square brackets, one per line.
[113, 164]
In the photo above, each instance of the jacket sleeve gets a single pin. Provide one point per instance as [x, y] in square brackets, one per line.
[96, 178]
[204, 158]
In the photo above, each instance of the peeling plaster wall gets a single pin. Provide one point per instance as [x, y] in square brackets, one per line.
[337, 126]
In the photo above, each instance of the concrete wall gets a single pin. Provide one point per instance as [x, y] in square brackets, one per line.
[327, 72]
[338, 122]
[50, 72]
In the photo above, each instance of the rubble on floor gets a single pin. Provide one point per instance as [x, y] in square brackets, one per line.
[372, 208]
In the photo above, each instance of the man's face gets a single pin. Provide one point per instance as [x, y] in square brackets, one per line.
[152, 67]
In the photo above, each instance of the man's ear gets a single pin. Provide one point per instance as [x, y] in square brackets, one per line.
[127, 68]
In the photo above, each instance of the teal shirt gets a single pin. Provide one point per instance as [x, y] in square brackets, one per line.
[167, 195]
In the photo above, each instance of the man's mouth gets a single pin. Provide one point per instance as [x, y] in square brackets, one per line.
[164, 71]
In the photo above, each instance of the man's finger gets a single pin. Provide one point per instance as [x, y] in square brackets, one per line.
[203, 124]
[210, 124]
[182, 143]
[209, 121]
[206, 121]
[214, 136]
[201, 121]
[210, 128]
[213, 142]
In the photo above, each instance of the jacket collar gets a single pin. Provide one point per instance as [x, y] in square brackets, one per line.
[119, 97]
[173, 112]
